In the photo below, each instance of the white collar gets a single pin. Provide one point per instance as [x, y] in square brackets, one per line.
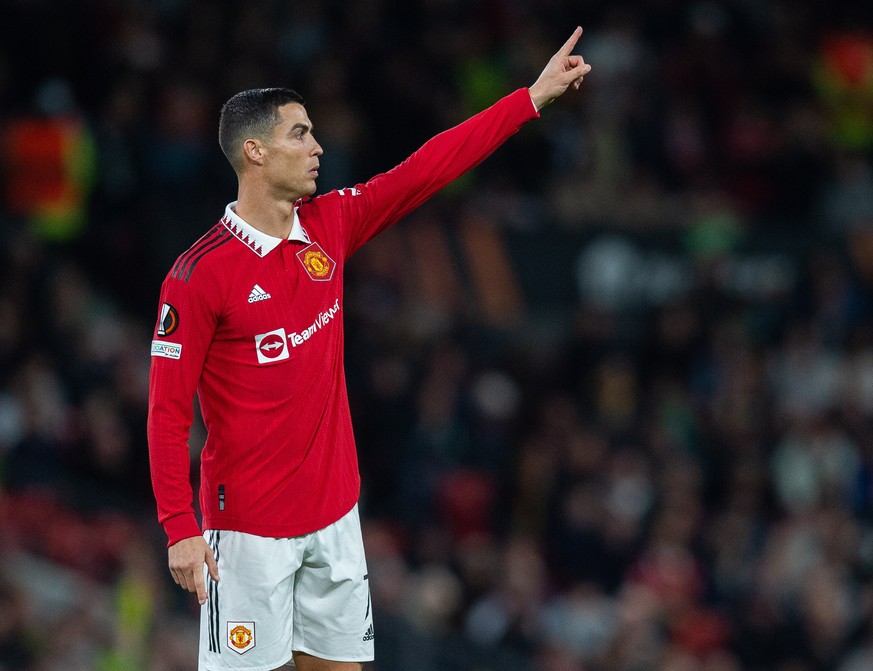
[258, 241]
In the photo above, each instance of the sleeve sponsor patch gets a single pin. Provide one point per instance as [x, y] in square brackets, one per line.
[169, 320]
[168, 350]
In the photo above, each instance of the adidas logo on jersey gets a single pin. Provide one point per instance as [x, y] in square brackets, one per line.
[258, 294]
[369, 636]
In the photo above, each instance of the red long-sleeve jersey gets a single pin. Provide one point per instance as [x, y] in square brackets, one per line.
[253, 324]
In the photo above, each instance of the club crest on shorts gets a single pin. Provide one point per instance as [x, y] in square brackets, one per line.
[240, 636]
[319, 266]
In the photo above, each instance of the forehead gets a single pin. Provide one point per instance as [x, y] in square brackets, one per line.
[293, 113]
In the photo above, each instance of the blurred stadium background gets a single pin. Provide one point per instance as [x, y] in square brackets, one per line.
[613, 390]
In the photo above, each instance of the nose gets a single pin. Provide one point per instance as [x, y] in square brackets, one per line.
[316, 149]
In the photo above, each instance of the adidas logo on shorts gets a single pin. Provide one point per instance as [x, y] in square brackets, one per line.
[369, 636]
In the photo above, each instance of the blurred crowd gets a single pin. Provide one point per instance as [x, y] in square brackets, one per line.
[613, 390]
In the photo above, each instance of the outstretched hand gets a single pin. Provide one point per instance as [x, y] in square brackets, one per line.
[561, 72]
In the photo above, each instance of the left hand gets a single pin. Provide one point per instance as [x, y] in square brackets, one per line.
[561, 72]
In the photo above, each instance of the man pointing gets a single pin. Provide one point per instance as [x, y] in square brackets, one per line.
[250, 320]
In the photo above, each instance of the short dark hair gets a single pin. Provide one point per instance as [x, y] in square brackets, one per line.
[252, 113]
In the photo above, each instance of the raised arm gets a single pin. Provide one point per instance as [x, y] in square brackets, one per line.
[373, 206]
[562, 71]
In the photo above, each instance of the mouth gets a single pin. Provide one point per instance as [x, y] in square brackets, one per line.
[314, 171]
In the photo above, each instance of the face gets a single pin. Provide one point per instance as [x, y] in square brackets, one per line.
[291, 156]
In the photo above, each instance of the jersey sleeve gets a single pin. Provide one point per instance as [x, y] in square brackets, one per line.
[185, 327]
[383, 200]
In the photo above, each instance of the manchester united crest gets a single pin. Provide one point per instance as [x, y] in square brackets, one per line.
[318, 265]
[240, 636]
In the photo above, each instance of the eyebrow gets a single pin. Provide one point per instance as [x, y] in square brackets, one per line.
[301, 126]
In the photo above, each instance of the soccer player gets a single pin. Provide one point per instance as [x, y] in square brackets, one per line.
[251, 319]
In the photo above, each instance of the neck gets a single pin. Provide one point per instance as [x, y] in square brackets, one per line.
[268, 214]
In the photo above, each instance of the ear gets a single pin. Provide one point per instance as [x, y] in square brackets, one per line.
[253, 151]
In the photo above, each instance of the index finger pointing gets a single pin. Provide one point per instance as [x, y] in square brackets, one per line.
[570, 44]
[200, 586]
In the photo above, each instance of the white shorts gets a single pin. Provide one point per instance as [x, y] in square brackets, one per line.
[279, 595]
